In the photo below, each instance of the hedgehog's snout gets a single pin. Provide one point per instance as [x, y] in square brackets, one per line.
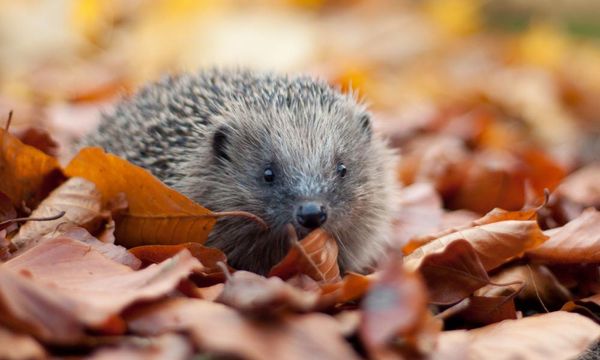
[311, 214]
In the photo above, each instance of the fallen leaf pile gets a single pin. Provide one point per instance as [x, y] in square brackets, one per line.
[496, 246]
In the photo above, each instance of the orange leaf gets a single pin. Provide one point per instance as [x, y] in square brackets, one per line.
[209, 257]
[156, 215]
[452, 273]
[352, 287]
[315, 256]
[28, 174]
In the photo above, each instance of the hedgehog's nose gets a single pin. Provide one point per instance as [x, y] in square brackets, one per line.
[311, 215]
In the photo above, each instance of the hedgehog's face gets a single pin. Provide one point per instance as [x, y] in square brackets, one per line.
[309, 167]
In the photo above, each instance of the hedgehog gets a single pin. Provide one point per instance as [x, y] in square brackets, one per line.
[289, 149]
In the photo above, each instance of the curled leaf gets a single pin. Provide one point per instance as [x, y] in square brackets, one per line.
[315, 256]
[156, 214]
[574, 243]
[77, 198]
[28, 174]
[495, 243]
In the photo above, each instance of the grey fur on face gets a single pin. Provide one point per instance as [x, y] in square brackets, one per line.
[288, 149]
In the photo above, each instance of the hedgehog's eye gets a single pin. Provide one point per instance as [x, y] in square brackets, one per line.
[268, 174]
[341, 170]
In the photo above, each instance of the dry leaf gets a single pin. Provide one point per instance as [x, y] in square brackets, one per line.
[156, 215]
[495, 243]
[209, 257]
[252, 293]
[495, 215]
[553, 336]
[14, 346]
[484, 310]
[168, 346]
[582, 187]
[114, 252]
[574, 243]
[538, 282]
[61, 286]
[589, 307]
[315, 256]
[28, 174]
[77, 198]
[493, 179]
[451, 273]
[394, 306]
[39, 139]
[352, 287]
[7, 212]
[220, 330]
[421, 213]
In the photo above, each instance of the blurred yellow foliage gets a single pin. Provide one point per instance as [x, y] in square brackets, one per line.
[458, 17]
[91, 17]
[544, 44]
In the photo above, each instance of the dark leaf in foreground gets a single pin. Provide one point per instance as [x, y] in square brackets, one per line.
[62, 286]
[220, 330]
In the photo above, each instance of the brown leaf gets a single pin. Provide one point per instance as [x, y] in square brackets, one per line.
[168, 346]
[61, 286]
[395, 305]
[589, 307]
[28, 174]
[220, 330]
[574, 243]
[252, 293]
[540, 287]
[440, 160]
[315, 256]
[39, 139]
[77, 198]
[114, 252]
[451, 273]
[209, 257]
[582, 187]
[19, 346]
[495, 243]
[553, 336]
[421, 213]
[156, 214]
[494, 179]
[7, 212]
[495, 215]
[485, 310]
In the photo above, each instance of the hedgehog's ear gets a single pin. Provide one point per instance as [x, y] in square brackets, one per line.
[365, 123]
[219, 143]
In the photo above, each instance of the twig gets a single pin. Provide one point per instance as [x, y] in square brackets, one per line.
[8, 121]
[48, 218]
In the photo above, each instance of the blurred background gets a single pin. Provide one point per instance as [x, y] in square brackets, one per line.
[499, 97]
